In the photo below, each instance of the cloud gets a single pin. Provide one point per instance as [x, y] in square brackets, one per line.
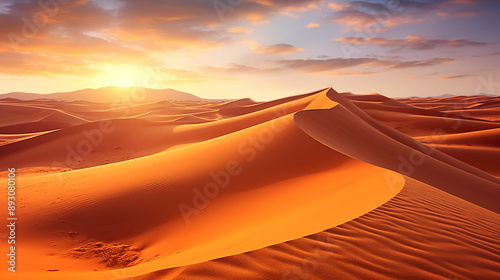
[410, 42]
[420, 63]
[339, 65]
[468, 2]
[357, 20]
[325, 65]
[83, 34]
[336, 6]
[347, 72]
[465, 13]
[240, 30]
[235, 68]
[461, 13]
[182, 76]
[5, 7]
[456, 77]
[17, 64]
[289, 11]
[277, 49]
[313, 25]
[371, 17]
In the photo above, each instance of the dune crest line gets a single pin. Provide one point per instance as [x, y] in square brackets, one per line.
[368, 140]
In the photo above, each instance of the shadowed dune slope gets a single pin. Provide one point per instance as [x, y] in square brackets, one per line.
[416, 235]
[367, 143]
[107, 141]
[297, 188]
[161, 203]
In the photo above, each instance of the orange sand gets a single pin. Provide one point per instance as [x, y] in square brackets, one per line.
[305, 187]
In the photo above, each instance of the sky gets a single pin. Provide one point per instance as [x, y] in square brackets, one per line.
[261, 49]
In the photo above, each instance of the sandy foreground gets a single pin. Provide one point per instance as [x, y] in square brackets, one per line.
[324, 185]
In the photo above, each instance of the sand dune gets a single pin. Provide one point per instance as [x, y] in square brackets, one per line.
[484, 138]
[385, 151]
[484, 158]
[408, 237]
[33, 127]
[483, 114]
[108, 94]
[16, 114]
[296, 188]
[454, 102]
[420, 125]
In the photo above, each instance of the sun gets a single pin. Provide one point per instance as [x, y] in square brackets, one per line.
[125, 81]
[122, 76]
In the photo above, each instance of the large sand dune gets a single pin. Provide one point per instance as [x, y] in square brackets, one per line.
[317, 186]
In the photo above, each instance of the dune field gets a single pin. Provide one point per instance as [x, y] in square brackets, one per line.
[323, 185]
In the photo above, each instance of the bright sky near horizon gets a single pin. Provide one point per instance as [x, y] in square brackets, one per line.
[261, 49]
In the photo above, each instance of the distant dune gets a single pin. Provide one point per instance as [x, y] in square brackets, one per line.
[109, 95]
[323, 185]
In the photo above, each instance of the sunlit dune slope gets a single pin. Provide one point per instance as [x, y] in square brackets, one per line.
[253, 181]
[422, 233]
[393, 153]
[296, 188]
[108, 140]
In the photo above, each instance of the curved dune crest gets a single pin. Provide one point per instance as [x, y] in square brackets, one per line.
[365, 142]
[236, 189]
[258, 181]
[408, 237]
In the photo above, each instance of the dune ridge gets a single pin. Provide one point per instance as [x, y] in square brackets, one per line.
[385, 151]
[249, 190]
[408, 237]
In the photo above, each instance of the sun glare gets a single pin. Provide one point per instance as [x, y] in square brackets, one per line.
[122, 77]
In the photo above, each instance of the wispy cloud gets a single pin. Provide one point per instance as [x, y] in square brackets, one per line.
[235, 68]
[277, 49]
[461, 13]
[326, 65]
[420, 63]
[456, 77]
[240, 30]
[313, 25]
[332, 65]
[367, 16]
[123, 32]
[182, 76]
[410, 42]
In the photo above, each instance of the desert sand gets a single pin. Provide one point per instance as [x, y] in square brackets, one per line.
[323, 185]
